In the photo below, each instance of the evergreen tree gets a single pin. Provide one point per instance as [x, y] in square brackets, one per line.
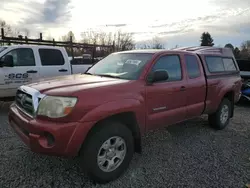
[229, 45]
[206, 39]
[237, 53]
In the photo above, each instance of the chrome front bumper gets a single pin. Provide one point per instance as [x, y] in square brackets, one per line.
[35, 95]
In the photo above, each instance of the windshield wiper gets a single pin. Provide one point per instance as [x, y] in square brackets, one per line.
[107, 75]
[87, 73]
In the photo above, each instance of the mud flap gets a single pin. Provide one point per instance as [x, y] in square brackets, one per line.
[232, 111]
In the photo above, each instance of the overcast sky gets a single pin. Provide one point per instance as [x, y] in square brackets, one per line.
[178, 22]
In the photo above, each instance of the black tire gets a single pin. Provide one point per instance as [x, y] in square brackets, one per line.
[90, 150]
[215, 120]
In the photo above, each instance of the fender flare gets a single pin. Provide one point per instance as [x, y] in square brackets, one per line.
[222, 94]
[111, 108]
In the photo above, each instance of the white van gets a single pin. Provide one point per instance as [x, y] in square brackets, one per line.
[22, 64]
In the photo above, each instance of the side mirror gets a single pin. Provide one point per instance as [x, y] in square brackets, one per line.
[8, 61]
[158, 75]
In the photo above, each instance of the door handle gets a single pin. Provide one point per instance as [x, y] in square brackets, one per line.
[63, 70]
[31, 71]
[183, 88]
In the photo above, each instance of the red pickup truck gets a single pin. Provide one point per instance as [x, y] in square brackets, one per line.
[100, 115]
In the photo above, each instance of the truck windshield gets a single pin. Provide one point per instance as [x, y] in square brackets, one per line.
[2, 49]
[121, 65]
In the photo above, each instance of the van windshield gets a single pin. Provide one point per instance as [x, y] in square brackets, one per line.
[121, 65]
[2, 49]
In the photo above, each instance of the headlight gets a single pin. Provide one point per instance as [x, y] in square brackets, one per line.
[56, 107]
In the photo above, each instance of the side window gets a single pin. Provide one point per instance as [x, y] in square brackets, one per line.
[87, 61]
[244, 65]
[229, 64]
[192, 65]
[81, 61]
[22, 57]
[172, 65]
[215, 64]
[51, 57]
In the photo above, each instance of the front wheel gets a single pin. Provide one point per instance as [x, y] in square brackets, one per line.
[220, 119]
[108, 152]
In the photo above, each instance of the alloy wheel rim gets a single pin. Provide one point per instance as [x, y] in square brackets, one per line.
[111, 154]
[224, 114]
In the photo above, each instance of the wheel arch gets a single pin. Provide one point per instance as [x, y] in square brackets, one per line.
[126, 118]
[230, 96]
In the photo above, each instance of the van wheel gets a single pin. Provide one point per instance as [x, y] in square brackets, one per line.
[220, 119]
[107, 152]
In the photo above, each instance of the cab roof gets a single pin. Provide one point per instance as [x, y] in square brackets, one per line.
[193, 49]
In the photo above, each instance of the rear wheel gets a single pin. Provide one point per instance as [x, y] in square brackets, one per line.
[220, 119]
[108, 152]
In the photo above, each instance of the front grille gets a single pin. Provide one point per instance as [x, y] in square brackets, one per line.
[39, 99]
[24, 102]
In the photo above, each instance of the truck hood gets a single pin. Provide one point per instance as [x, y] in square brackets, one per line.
[67, 85]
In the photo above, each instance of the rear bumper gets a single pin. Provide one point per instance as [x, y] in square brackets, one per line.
[245, 97]
[64, 139]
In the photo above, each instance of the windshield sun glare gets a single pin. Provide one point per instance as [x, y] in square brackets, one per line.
[121, 65]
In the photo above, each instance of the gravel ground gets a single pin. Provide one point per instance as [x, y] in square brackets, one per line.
[190, 154]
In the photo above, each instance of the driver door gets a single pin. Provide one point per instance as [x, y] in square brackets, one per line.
[24, 71]
[166, 100]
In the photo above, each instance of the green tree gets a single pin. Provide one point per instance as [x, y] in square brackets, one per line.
[236, 52]
[206, 39]
[229, 45]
